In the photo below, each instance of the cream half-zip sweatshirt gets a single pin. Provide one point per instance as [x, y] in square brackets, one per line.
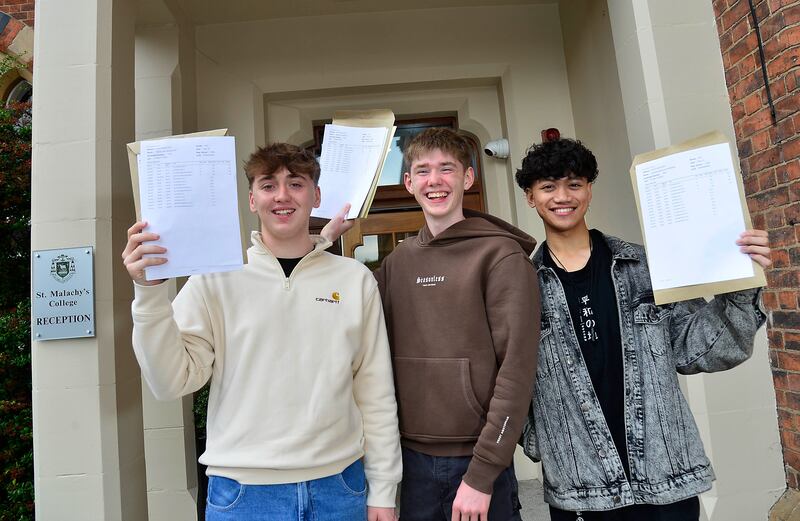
[301, 378]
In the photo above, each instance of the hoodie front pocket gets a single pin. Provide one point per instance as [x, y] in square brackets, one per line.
[436, 400]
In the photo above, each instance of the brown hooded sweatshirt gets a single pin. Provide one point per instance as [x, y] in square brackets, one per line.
[462, 312]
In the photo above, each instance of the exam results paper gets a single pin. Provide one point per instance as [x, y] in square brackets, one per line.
[692, 215]
[349, 161]
[187, 189]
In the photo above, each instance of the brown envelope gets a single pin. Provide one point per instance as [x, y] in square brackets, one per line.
[369, 119]
[665, 296]
[136, 147]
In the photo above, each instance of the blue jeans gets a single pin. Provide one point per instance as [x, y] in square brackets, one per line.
[430, 484]
[341, 497]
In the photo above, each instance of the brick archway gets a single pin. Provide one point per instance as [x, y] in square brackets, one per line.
[16, 41]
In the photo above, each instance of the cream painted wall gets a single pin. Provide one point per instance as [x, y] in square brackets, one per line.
[673, 88]
[165, 106]
[228, 101]
[156, 60]
[599, 114]
[664, 104]
[87, 412]
[517, 47]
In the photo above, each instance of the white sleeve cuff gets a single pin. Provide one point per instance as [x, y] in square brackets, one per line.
[381, 493]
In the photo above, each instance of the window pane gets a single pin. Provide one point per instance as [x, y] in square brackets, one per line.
[392, 173]
[375, 248]
[367, 253]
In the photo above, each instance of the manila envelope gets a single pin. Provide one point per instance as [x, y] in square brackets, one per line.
[133, 155]
[665, 296]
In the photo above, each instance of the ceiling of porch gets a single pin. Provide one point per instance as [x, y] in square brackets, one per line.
[205, 12]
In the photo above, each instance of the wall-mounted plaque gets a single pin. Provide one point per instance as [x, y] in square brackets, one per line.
[63, 293]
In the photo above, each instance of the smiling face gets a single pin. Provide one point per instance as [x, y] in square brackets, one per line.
[561, 203]
[283, 201]
[438, 180]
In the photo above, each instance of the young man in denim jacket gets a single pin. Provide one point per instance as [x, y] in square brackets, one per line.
[615, 435]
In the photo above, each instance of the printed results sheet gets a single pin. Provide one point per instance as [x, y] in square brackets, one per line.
[187, 190]
[691, 217]
[351, 157]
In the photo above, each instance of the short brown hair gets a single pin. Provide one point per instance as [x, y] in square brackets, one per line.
[271, 158]
[438, 138]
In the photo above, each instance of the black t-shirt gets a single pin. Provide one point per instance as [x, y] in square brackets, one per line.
[593, 309]
[288, 265]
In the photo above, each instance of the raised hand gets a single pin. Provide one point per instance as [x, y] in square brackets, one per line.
[133, 255]
[338, 225]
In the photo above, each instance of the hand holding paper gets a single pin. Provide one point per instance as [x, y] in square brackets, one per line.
[338, 225]
[350, 159]
[139, 244]
[354, 149]
[187, 194]
[692, 211]
[755, 243]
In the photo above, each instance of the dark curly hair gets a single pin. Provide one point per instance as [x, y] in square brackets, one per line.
[555, 160]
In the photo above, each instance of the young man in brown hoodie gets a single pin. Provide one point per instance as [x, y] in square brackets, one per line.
[461, 302]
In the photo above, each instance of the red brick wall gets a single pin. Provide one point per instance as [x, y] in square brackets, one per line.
[770, 161]
[22, 10]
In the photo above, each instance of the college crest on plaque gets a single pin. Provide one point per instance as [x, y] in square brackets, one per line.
[62, 268]
[63, 293]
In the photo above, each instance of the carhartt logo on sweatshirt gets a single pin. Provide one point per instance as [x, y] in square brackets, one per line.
[430, 280]
[334, 298]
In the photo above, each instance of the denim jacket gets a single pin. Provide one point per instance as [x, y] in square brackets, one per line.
[566, 429]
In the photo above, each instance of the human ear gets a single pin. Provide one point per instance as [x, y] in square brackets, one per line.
[529, 197]
[469, 178]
